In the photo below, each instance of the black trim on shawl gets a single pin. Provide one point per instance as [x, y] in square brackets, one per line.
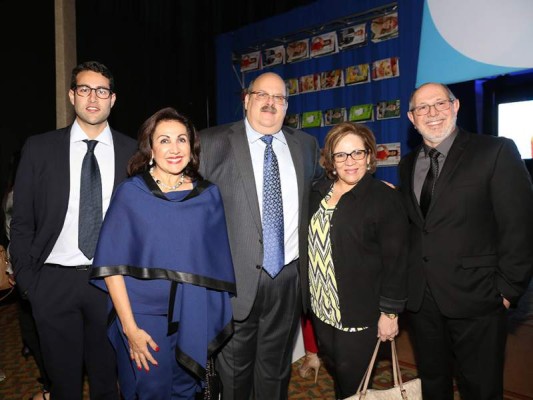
[161, 273]
[214, 345]
[199, 188]
[172, 326]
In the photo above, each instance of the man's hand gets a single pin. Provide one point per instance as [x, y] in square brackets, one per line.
[506, 303]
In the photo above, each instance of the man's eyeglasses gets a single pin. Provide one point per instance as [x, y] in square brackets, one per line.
[442, 105]
[264, 96]
[85, 91]
[356, 155]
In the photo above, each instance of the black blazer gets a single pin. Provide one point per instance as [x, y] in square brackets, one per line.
[369, 249]
[41, 195]
[476, 241]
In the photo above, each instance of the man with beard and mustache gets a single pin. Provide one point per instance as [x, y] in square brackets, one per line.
[470, 255]
[256, 362]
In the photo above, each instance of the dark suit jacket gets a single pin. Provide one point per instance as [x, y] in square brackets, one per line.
[41, 196]
[476, 241]
[368, 232]
[226, 161]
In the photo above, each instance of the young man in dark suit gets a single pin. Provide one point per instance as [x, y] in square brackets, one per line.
[256, 363]
[52, 241]
[470, 201]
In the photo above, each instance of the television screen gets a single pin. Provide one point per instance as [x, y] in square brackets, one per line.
[515, 121]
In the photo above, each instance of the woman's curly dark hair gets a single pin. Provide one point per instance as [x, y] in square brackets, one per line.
[141, 159]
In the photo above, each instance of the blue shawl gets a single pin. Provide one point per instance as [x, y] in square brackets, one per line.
[175, 244]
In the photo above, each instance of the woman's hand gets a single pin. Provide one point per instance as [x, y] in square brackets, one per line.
[139, 340]
[387, 328]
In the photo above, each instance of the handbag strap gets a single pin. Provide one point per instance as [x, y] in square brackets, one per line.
[397, 375]
[366, 377]
[398, 381]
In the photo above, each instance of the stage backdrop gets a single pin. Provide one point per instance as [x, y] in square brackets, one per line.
[321, 17]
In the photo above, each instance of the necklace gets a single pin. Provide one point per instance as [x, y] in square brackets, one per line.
[165, 186]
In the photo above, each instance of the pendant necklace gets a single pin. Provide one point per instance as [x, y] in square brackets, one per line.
[165, 186]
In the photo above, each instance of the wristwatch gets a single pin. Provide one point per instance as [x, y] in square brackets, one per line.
[390, 315]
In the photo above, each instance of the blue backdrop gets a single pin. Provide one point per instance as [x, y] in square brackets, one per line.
[405, 46]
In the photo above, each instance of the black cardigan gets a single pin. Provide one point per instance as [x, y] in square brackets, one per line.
[369, 240]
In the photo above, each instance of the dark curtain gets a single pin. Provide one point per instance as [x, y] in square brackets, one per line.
[28, 76]
[162, 52]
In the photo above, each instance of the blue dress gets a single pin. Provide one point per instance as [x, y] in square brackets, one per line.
[173, 252]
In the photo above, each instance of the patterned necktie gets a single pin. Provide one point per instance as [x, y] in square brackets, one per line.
[90, 218]
[429, 184]
[273, 235]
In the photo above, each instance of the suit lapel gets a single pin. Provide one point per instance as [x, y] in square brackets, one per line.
[62, 173]
[296, 154]
[239, 145]
[453, 160]
[410, 162]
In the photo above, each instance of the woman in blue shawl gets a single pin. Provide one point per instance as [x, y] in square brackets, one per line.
[163, 255]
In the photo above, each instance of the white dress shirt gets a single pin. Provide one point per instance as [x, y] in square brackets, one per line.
[289, 184]
[66, 251]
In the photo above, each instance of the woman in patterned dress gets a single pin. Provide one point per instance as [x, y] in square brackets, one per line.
[357, 256]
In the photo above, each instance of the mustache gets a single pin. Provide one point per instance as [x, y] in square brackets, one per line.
[269, 108]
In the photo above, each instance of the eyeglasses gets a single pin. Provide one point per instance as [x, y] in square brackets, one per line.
[264, 96]
[442, 105]
[85, 91]
[356, 155]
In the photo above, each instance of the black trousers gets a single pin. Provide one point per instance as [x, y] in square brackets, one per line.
[345, 355]
[30, 338]
[71, 319]
[256, 362]
[472, 349]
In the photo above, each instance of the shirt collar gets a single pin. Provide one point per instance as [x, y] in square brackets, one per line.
[445, 145]
[77, 134]
[253, 136]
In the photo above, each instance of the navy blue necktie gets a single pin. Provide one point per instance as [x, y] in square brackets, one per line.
[273, 234]
[90, 218]
[429, 183]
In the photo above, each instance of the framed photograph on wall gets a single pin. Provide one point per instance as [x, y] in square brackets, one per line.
[273, 56]
[292, 120]
[331, 79]
[323, 45]
[388, 154]
[298, 50]
[309, 83]
[352, 36]
[388, 109]
[293, 86]
[384, 27]
[357, 74]
[334, 116]
[361, 113]
[311, 119]
[386, 68]
[251, 61]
